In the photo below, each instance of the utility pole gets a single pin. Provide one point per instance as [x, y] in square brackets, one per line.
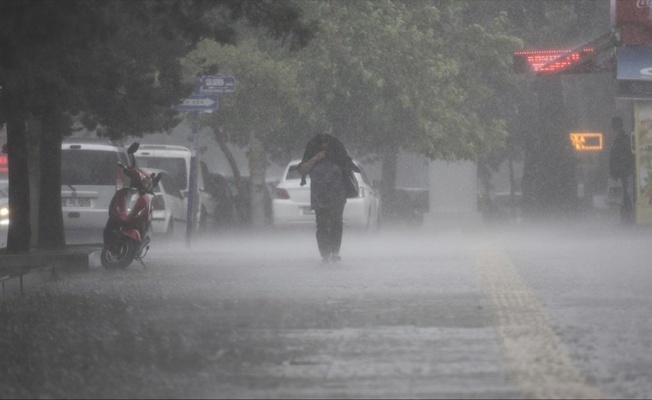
[193, 193]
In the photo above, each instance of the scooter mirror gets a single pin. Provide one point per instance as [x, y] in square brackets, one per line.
[156, 178]
[133, 148]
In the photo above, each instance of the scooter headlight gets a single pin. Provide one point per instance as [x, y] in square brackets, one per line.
[131, 201]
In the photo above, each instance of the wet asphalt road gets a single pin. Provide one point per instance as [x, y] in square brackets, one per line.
[540, 313]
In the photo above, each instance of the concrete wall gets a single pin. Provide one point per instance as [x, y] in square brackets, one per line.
[453, 195]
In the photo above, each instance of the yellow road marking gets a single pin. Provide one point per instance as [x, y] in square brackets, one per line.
[534, 355]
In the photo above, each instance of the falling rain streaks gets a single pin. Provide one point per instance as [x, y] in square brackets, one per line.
[535, 357]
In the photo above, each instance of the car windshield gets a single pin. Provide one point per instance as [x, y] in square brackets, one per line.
[81, 167]
[176, 167]
[293, 173]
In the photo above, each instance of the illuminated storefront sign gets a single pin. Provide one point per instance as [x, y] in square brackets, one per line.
[634, 72]
[586, 141]
[643, 155]
[550, 61]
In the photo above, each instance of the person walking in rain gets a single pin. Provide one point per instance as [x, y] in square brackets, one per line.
[621, 167]
[325, 159]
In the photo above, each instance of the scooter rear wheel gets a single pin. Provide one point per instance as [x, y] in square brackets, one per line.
[118, 255]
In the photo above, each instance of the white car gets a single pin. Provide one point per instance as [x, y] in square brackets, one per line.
[4, 209]
[176, 161]
[90, 176]
[168, 205]
[291, 202]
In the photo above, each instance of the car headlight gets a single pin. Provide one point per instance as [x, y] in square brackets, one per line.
[4, 215]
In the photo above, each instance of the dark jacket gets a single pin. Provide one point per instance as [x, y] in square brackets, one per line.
[621, 158]
[336, 153]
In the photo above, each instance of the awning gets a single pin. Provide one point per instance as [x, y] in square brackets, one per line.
[634, 72]
[634, 63]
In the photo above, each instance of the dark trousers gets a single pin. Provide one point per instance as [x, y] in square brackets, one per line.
[627, 206]
[329, 229]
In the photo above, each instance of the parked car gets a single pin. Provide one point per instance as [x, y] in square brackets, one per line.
[168, 205]
[291, 202]
[176, 161]
[90, 177]
[4, 209]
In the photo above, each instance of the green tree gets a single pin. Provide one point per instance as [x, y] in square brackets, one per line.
[383, 76]
[411, 75]
[110, 65]
[258, 114]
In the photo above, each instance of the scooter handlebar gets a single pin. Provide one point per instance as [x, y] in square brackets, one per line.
[155, 178]
[125, 168]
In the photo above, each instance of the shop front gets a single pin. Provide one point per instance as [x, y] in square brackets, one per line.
[634, 83]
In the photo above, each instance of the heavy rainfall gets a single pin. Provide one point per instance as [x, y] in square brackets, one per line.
[495, 243]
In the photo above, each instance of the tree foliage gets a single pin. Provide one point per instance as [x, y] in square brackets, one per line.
[267, 96]
[382, 75]
[391, 75]
[108, 64]
[394, 73]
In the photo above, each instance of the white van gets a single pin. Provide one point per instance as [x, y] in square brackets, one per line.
[90, 177]
[176, 161]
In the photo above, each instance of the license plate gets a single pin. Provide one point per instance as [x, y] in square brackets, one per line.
[307, 211]
[75, 202]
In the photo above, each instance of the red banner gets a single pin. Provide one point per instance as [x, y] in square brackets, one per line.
[634, 19]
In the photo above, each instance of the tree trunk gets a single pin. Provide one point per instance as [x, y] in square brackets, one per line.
[33, 151]
[242, 207]
[12, 98]
[513, 217]
[388, 183]
[50, 227]
[257, 171]
[229, 157]
[549, 185]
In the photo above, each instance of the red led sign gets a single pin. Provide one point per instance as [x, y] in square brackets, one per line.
[4, 164]
[551, 61]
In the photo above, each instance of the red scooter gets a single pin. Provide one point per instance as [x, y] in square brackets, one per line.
[130, 215]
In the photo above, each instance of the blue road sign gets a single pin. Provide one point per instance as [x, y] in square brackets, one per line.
[198, 102]
[217, 84]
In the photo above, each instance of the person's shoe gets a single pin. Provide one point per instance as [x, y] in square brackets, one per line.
[325, 259]
[336, 257]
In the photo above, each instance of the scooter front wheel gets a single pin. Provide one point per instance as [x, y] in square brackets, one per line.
[118, 255]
